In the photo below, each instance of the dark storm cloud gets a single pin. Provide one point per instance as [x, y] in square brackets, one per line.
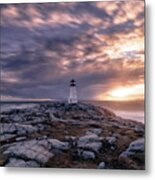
[88, 7]
[44, 45]
[59, 38]
[13, 37]
[119, 28]
[141, 15]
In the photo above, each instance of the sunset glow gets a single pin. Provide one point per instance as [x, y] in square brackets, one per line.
[133, 45]
[127, 93]
[100, 44]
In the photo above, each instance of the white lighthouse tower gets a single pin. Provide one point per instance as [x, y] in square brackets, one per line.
[73, 94]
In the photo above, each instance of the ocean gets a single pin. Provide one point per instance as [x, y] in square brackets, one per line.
[133, 110]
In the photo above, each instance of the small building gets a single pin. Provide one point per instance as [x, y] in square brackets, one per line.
[73, 93]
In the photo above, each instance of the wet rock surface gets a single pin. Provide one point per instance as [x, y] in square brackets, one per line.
[73, 136]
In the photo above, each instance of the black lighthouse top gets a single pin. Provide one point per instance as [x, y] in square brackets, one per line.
[72, 82]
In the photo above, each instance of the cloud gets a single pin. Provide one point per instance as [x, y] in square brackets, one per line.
[100, 44]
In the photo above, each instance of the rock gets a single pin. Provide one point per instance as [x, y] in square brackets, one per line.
[101, 165]
[53, 134]
[56, 144]
[111, 140]
[36, 120]
[6, 137]
[88, 155]
[51, 115]
[135, 147]
[84, 154]
[21, 138]
[88, 139]
[31, 150]
[96, 131]
[112, 148]
[16, 118]
[41, 127]
[21, 163]
[7, 128]
[83, 111]
[16, 128]
[42, 138]
[134, 156]
[116, 135]
[139, 129]
[95, 146]
[72, 140]
[91, 142]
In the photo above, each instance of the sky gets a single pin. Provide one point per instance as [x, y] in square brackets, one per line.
[99, 44]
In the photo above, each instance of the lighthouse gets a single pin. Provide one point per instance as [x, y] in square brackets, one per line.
[72, 94]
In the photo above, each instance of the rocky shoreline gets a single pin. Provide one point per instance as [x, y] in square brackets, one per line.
[60, 135]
